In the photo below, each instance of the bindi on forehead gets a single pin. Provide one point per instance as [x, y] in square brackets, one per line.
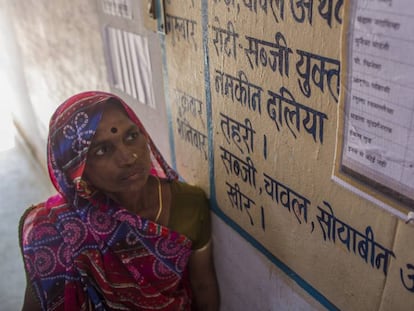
[114, 130]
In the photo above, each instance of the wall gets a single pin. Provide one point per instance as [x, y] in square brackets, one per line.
[184, 82]
[13, 79]
[270, 253]
[61, 54]
[260, 100]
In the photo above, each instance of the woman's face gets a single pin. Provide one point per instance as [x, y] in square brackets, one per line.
[118, 159]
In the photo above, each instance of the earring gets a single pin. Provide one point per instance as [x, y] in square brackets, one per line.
[83, 188]
[135, 156]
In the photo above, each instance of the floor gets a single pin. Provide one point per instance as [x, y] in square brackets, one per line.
[22, 183]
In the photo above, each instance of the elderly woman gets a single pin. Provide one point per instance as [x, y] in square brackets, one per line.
[122, 233]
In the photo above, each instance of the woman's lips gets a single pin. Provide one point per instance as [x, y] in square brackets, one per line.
[133, 175]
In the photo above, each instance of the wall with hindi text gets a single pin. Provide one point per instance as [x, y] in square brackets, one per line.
[255, 113]
[255, 95]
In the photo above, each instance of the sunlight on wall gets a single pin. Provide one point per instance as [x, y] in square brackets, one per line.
[7, 130]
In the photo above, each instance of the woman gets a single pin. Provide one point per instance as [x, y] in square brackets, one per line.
[122, 233]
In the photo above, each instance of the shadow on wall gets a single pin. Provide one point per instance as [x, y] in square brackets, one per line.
[23, 182]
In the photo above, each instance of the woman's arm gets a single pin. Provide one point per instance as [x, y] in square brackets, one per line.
[30, 301]
[203, 279]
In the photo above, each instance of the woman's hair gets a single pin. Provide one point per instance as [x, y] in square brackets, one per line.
[114, 101]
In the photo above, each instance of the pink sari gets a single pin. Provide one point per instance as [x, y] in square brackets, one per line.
[81, 250]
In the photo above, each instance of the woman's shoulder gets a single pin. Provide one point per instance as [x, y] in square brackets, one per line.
[42, 216]
[190, 213]
[32, 213]
[186, 196]
[180, 188]
[44, 211]
[29, 220]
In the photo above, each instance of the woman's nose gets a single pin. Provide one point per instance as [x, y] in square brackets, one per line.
[126, 157]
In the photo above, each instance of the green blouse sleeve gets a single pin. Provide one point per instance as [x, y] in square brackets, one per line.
[190, 213]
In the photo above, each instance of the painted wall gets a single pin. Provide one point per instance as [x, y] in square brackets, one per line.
[271, 252]
[261, 98]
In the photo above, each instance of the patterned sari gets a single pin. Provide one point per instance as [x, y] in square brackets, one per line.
[82, 251]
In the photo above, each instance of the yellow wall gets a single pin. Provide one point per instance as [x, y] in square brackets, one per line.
[250, 143]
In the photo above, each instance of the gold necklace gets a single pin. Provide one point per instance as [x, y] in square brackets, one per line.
[159, 199]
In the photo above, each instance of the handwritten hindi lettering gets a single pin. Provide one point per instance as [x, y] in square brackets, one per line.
[239, 89]
[287, 197]
[302, 11]
[180, 28]
[191, 135]
[239, 200]
[225, 40]
[264, 53]
[363, 244]
[238, 132]
[277, 7]
[316, 68]
[283, 108]
[188, 104]
[408, 279]
[231, 4]
[243, 169]
[329, 10]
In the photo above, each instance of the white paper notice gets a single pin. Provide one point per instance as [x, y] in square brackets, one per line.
[121, 8]
[379, 115]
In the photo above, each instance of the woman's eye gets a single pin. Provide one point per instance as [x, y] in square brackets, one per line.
[132, 135]
[101, 151]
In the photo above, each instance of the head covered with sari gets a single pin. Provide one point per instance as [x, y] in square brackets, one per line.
[82, 250]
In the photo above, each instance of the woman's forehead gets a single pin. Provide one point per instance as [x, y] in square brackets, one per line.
[114, 116]
[114, 111]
